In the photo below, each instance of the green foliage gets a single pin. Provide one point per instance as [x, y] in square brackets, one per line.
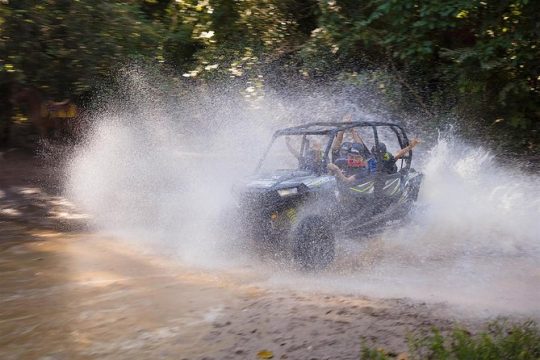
[482, 56]
[241, 36]
[373, 354]
[64, 46]
[500, 341]
[479, 59]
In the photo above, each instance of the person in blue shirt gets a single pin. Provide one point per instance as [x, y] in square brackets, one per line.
[355, 167]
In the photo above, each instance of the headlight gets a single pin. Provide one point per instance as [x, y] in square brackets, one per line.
[287, 192]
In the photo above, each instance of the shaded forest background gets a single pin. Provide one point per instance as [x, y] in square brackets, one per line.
[476, 60]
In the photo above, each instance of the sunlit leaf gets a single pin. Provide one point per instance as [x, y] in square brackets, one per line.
[265, 354]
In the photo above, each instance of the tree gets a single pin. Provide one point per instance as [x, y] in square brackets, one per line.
[65, 47]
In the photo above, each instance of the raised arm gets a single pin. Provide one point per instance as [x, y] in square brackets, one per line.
[356, 137]
[338, 141]
[339, 137]
[406, 149]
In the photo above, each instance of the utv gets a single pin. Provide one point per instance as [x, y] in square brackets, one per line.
[293, 205]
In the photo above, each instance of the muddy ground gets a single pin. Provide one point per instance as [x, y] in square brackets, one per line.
[69, 293]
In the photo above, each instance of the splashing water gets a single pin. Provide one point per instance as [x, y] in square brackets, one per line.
[146, 176]
[160, 174]
[475, 237]
[472, 242]
[470, 204]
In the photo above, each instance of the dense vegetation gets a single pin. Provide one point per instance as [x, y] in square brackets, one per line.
[477, 59]
[500, 341]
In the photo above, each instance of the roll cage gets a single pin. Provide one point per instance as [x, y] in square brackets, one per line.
[331, 129]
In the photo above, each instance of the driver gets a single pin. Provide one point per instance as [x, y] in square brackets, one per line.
[339, 146]
[356, 167]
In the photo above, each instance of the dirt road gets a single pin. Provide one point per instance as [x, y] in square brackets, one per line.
[68, 293]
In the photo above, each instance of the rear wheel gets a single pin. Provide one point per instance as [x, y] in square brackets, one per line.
[313, 243]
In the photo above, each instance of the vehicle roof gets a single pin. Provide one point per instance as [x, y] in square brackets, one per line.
[324, 128]
[332, 128]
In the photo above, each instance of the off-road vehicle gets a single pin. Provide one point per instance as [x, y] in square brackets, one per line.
[292, 204]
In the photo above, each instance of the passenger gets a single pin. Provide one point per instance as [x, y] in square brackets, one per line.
[314, 155]
[388, 165]
[339, 146]
[357, 166]
[340, 155]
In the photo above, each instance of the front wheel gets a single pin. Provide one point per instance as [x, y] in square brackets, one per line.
[313, 243]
